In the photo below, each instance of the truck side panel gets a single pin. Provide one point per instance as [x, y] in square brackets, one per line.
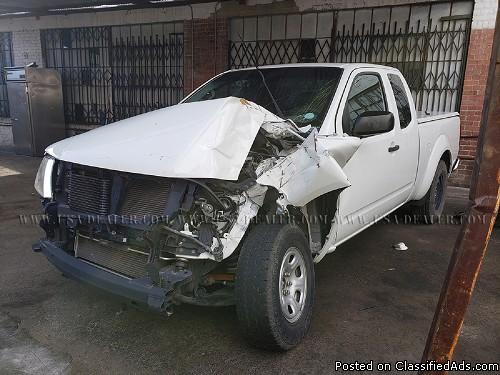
[436, 138]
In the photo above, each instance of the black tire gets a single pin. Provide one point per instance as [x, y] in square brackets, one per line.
[430, 207]
[258, 287]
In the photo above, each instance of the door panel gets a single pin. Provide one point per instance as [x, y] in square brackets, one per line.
[376, 171]
[406, 133]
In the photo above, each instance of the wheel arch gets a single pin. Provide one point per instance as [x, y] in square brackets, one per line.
[446, 157]
[319, 214]
[440, 151]
[314, 219]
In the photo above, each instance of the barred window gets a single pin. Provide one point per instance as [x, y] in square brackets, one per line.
[427, 42]
[114, 72]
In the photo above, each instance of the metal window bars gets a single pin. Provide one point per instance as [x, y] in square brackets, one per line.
[427, 42]
[113, 72]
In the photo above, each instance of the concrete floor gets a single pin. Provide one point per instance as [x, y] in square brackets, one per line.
[372, 303]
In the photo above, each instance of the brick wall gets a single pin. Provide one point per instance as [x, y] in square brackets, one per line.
[208, 55]
[27, 47]
[476, 74]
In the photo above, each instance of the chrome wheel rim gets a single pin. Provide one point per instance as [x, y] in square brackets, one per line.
[293, 284]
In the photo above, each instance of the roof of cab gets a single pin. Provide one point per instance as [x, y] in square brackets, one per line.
[345, 66]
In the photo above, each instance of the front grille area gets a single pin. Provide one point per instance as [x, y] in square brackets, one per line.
[88, 194]
[115, 257]
[146, 197]
[96, 191]
[90, 191]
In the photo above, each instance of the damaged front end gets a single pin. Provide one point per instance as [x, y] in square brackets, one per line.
[150, 232]
[163, 237]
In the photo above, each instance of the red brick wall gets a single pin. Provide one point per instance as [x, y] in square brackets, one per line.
[476, 74]
[209, 54]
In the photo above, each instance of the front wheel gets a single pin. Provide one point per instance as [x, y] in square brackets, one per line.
[275, 286]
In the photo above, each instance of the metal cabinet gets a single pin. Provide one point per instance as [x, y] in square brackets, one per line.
[36, 108]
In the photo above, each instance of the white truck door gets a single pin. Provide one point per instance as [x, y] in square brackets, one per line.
[377, 171]
[406, 125]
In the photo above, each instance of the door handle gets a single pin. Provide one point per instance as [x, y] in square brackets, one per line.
[393, 148]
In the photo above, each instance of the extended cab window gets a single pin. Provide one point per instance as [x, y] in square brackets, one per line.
[366, 94]
[402, 102]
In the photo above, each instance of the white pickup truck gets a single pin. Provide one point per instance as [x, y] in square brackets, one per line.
[231, 196]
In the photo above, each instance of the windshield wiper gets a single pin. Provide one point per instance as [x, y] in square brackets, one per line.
[280, 113]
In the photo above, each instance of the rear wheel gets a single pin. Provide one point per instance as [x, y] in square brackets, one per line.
[430, 207]
[275, 286]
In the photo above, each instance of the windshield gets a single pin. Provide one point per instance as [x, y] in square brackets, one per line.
[302, 93]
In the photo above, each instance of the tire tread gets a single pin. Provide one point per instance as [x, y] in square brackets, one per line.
[254, 298]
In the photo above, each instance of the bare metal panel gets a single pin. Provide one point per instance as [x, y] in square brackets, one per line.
[36, 107]
[46, 106]
[21, 122]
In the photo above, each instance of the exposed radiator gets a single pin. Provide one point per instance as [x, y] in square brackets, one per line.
[88, 194]
[115, 257]
[146, 197]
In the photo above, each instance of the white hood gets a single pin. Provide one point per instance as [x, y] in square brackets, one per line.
[208, 139]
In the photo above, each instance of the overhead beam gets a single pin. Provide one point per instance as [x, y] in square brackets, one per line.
[88, 7]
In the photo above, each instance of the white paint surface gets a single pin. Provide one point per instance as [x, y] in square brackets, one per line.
[208, 139]
[307, 173]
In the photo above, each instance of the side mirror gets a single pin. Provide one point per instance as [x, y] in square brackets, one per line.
[373, 122]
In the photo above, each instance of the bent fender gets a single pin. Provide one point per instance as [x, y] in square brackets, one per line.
[314, 169]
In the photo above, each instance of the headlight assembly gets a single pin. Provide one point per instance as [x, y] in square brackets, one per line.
[43, 179]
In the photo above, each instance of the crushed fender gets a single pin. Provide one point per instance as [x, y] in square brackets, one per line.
[311, 170]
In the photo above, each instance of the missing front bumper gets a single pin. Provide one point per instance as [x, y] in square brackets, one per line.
[142, 291]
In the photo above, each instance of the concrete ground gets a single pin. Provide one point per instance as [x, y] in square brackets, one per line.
[372, 303]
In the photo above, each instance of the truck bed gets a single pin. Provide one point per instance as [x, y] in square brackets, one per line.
[423, 117]
[437, 131]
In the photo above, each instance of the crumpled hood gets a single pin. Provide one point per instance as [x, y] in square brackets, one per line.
[208, 139]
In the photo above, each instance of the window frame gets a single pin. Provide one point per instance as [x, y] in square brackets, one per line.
[340, 111]
[405, 89]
